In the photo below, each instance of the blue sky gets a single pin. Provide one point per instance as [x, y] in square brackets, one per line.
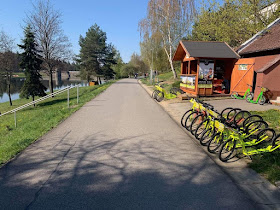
[118, 18]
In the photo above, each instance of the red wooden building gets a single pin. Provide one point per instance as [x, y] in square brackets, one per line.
[263, 52]
[205, 66]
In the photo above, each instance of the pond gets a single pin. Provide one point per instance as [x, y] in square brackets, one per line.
[17, 83]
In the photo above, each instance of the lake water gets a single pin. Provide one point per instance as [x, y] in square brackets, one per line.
[17, 83]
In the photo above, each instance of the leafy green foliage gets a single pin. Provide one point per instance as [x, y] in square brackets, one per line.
[138, 64]
[153, 53]
[233, 22]
[31, 63]
[135, 65]
[119, 65]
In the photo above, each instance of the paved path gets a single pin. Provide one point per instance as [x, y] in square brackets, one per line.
[120, 151]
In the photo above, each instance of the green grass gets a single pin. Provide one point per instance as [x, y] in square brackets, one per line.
[166, 78]
[33, 122]
[19, 74]
[268, 164]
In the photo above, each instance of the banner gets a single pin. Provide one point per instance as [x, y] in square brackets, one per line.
[188, 82]
[206, 73]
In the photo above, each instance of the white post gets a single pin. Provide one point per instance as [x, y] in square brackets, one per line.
[68, 93]
[77, 94]
[15, 116]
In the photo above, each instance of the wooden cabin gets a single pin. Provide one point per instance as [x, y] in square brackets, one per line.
[262, 51]
[206, 67]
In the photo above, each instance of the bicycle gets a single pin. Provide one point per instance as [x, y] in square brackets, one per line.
[239, 122]
[160, 93]
[206, 112]
[218, 125]
[197, 107]
[237, 140]
[176, 91]
[197, 116]
[205, 124]
[249, 131]
[261, 98]
[235, 94]
[226, 116]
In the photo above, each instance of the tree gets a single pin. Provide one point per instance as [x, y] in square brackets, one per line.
[135, 65]
[138, 63]
[31, 63]
[109, 61]
[172, 19]
[128, 70]
[52, 43]
[119, 64]
[152, 53]
[96, 56]
[233, 22]
[8, 60]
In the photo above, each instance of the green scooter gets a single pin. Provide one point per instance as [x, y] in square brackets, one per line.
[261, 98]
[235, 94]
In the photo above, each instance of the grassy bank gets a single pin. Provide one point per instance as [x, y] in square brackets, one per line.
[166, 79]
[33, 122]
[268, 164]
[19, 74]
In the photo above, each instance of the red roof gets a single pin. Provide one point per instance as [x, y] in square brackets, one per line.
[268, 39]
[263, 63]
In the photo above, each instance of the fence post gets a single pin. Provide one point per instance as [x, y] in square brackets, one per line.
[77, 94]
[15, 116]
[68, 94]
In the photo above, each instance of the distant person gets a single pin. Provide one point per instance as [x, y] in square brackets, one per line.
[155, 73]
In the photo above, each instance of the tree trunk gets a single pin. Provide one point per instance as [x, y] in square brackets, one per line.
[51, 82]
[170, 62]
[9, 90]
[173, 70]
[100, 81]
[9, 93]
[33, 99]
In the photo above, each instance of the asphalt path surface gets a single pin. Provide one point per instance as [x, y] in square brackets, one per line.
[119, 151]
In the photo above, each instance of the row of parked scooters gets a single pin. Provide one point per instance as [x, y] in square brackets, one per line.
[231, 133]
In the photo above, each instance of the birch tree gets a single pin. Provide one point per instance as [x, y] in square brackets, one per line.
[172, 19]
[153, 54]
[52, 43]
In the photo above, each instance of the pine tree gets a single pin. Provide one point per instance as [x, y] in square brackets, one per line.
[31, 62]
[96, 56]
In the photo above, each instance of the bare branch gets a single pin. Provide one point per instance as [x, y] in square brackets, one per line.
[6, 42]
[52, 43]
[172, 19]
